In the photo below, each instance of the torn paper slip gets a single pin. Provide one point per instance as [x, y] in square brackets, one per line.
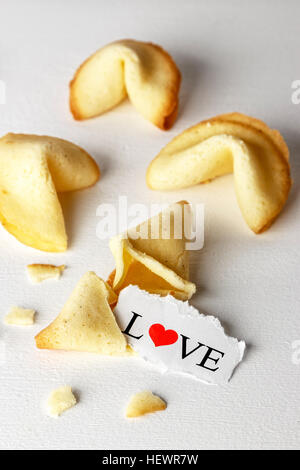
[173, 334]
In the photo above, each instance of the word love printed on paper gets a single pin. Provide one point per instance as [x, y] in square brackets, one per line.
[173, 334]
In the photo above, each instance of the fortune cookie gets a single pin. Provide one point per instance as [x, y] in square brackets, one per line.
[231, 143]
[157, 262]
[142, 71]
[33, 169]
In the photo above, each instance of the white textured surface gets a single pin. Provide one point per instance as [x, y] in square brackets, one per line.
[233, 56]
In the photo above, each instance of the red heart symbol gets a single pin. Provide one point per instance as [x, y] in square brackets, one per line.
[162, 337]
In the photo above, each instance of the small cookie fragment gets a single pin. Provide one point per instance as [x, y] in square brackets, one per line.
[60, 400]
[19, 316]
[41, 272]
[144, 402]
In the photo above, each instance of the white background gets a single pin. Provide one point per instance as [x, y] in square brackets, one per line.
[234, 56]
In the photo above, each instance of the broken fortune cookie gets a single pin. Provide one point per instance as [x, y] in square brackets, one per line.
[86, 322]
[33, 169]
[157, 264]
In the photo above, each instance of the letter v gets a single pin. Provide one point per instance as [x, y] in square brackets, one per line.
[184, 343]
